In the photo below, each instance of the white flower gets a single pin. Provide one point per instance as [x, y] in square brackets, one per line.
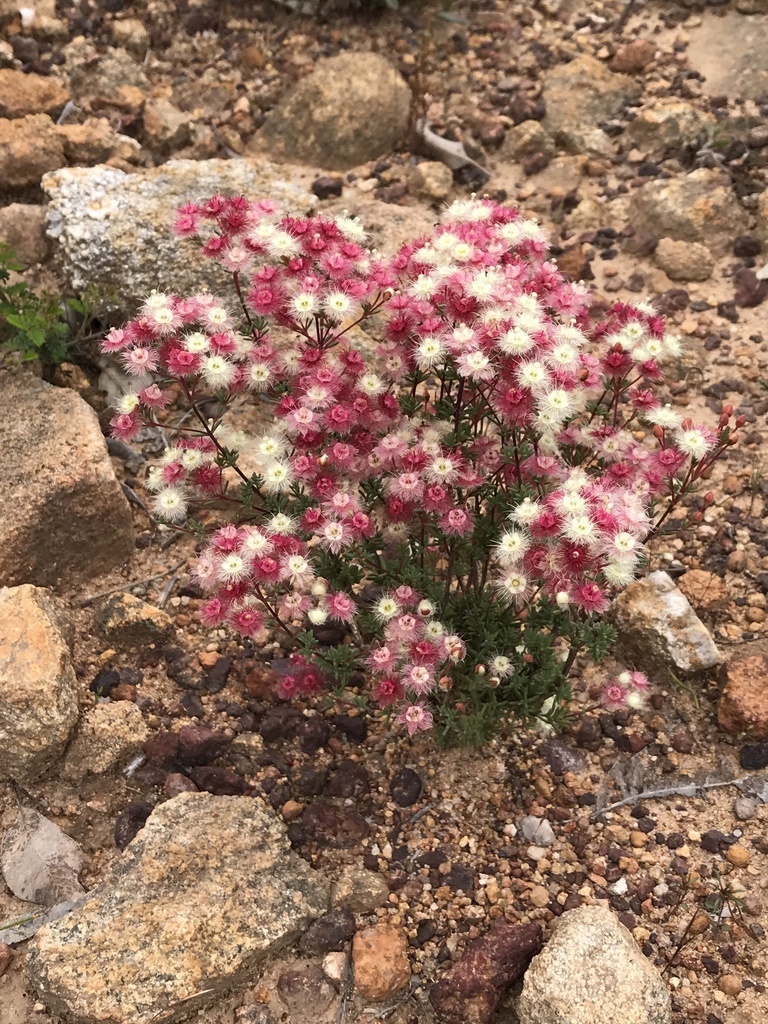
[128, 404]
[562, 600]
[218, 372]
[156, 300]
[281, 524]
[270, 446]
[501, 665]
[476, 365]
[191, 458]
[171, 504]
[571, 503]
[430, 352]
[232, 568]
[533, 375]
[424, 287]
[304, 305]
[197, 342]
[580, 529]
[297, 568]
[563, 356]
[370, 384]
[664, 417]
[337, 306]
[511, 547]
[623, 544]
[694, 443]
[277, 477]
[433, 629]
[525, 512]
[512, 586]
[442, 469]
[387, 608]
[317, 616]
[319, 588]
[515, 342]
[282, 245]
[558, 402]
[216, 316]
[259, 375]
[256, 543]
[351, 228]
[619, 573]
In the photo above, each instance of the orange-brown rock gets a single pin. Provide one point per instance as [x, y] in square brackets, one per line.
[22, 94]
[743, 704]
[381, 962]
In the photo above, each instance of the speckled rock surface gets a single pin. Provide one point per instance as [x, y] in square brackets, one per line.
[580, 95]
[63, 516]
[353, 107]
[115, 229]
[658, 629]
[668, 123]
[743, 706]
[109, 735]
[699, 207]
[129, 624]
[592, 972]
[38, 707]
[207, 889]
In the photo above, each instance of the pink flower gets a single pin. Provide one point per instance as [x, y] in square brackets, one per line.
[415, 717]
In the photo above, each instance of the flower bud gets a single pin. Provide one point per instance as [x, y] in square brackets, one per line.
[709, 498]
[728, 410]
[493, 682]
[724, 420]
[479, 670]
[444, 682]
[741, 421]
[658, 432]
[696, 517]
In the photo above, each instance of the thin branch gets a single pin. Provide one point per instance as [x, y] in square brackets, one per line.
[690, 790]
[87, 601]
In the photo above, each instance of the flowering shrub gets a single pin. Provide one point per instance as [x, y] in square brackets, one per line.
[461, 503]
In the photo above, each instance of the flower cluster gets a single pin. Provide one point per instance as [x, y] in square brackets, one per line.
[462, 497]
[626, 690]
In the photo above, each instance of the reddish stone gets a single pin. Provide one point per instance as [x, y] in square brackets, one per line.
[176, 783]
[471, 991]
[334, 826]
[743, 704]
[199, 745]
[162, 749]
[633, 57]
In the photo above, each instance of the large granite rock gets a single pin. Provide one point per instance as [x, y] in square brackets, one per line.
[351, 108]
[668, 125]
[38, 706]
[63, 516]
[206, 890]
[592, 972]
[658, 630]
[114, 229]
[698, 207]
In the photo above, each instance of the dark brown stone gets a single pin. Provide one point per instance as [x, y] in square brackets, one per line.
[200, 745]
[471, 992]
[176, 783]
[336, 826]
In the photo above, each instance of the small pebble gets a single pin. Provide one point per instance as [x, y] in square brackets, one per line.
[737, 855]
[744, 807]
[730, 984]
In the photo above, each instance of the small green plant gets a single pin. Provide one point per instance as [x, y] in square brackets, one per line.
[42, 326]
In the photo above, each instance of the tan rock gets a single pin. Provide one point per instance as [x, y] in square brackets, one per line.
[63, 515]
[697, 207]
[658, 630]
[359, 890]
[350, 109]
[737, 855]
[131, 625]
[730, 984]
[22, 226]
[29, 148]
[539, 896]
[165, 126]
[108, 736]
[743, 706]
[96, 143]
[207, 889]
[684, 261]
[525, 140]
[38, 706]
[706, 591]
[380, 959]
[668, 124]
[431, 180]
[579, 95]
[22, 94]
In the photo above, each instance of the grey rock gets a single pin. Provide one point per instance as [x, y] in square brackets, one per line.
[115, 229]
[305, 991]
[38, 703]
[668, 125]
[579, 96]
[525, 140]
[131, 625]
[207, 889]
[537, 830]
[63, 515]
[659, 630]
[351, 108]
[744, 807]
[698, 207]
[592, 972]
